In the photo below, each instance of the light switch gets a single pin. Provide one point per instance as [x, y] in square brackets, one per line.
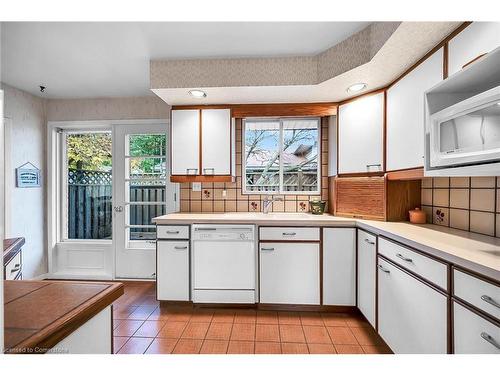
[196, 186]
[224, 193]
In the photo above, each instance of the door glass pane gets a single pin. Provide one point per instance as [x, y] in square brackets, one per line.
[261, 158]
[89, 186]
[146, 171]
[300, 155]
[147, 144]
[142, 214]
[475, 131]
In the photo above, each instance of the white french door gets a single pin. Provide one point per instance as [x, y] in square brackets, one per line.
[142, 191]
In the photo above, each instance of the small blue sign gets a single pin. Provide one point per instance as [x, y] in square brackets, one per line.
[27, 175]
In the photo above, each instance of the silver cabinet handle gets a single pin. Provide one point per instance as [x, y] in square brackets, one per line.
[404, 258]
[172, 232]
[490, 300]
[383, 269]
[191, 169]
[180, 247]
[208, 169]
[16, 268]
[289, 233]
[369, 242]
[373, 165]
[490, 339]
[267, 248]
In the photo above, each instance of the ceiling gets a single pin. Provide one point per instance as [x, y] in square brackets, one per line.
[111, 59]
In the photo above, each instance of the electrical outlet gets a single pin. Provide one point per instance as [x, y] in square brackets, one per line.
[224, 193]
[196, 186]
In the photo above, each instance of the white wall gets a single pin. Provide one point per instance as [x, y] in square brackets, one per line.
[26, 138]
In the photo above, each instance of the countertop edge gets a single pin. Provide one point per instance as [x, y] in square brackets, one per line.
[457, 260]
[12, 249]
[59, 329]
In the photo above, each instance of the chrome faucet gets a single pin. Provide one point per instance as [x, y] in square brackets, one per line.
[268, 201]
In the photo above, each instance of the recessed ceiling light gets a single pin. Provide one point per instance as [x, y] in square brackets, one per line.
[356, 87]
[198, 94]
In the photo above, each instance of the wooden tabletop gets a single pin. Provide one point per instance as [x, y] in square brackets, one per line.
[39, 314]
[11, 246]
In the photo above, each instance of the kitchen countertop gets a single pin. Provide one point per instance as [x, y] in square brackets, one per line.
[476, 252]
[11, 246]
[39, 314]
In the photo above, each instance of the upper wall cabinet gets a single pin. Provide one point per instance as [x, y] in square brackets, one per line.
[202, 145]
[476, 39]
[405, 114]
[361, 135]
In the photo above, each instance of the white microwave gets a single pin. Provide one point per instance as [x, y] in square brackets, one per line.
[466, 133]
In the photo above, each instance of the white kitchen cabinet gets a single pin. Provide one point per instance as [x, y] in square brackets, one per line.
[412, 317]
[339, 266]
[289, 273]
[216, 141]
[473, 334]
[366, 273]
[475, 40]
[361, 135]
[172, 279]
[209, 131]
[185, 133]
[405, 114]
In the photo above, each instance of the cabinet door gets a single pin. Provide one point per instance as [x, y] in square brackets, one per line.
[412, 317]
[405, 114]
[185, 142]
[172, 279]
[339, 266]
[216, 141]
[475, 40]
[361, 133]
[367, 259]
[473, 334]
[289, 273]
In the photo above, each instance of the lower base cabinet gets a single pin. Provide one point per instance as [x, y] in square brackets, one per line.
[339, 266]
[289, 273]
[172, 279]
[473, 334]
[367, 261]
[412, 316]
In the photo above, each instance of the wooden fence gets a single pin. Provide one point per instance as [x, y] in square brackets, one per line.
[90, 205]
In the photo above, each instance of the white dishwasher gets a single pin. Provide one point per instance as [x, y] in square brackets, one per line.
[224, 261]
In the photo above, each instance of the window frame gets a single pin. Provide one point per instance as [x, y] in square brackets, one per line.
[281, 139]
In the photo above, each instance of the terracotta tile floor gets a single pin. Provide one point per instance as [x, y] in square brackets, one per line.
[142, 326]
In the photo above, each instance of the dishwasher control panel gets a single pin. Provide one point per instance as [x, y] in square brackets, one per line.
[205, 232]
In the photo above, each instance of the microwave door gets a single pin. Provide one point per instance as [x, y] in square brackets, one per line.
[470, 137]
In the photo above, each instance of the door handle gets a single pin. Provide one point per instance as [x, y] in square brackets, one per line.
[180, 247]
[172, 232]
[208, 169]
[369, 242]
[373, 165]
[267, 248]
[118, 208]
[490, 300]
[381, 268]
[490, 339]
[404, 258]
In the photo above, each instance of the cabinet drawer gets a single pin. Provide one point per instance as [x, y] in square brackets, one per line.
[289, 234]
[429, 269]
[481, 294]
[473, 334]
[167, 232]
[13, 268]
